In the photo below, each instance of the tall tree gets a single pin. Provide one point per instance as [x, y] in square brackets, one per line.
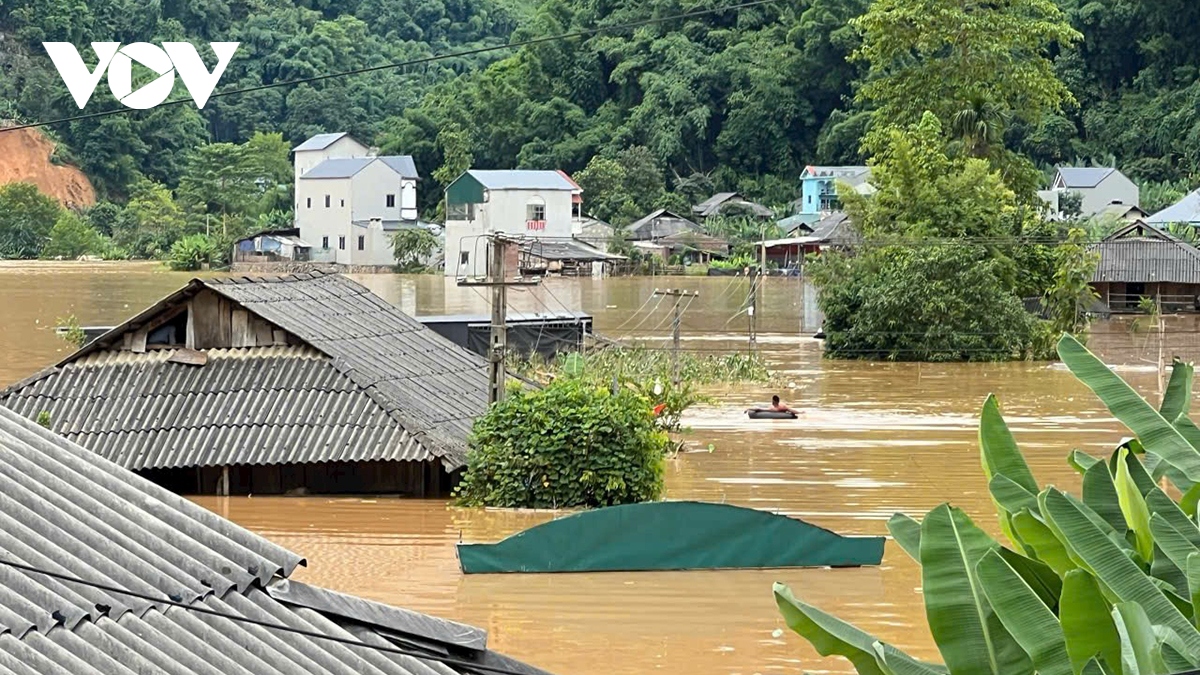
[26, 218]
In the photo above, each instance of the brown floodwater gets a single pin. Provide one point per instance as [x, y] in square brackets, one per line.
[875, 438]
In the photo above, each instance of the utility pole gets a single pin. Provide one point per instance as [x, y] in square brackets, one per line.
[497, 280]
[751, 306]
[675, 321]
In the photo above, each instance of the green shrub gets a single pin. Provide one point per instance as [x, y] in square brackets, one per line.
[571, 444]
[193, 253]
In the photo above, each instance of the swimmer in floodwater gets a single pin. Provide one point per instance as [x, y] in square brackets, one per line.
[776, 406]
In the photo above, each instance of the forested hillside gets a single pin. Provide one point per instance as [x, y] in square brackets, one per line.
[733, 100]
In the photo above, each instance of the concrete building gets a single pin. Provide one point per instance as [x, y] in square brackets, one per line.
[534, 204]
[818, 187]
[1098, 189]
[350, 202]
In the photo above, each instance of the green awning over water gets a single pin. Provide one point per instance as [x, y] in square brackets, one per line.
[669, 536]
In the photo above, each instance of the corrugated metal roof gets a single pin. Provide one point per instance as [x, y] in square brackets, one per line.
[345, 167]
[659, 224]
[1147, 260]
[67, 510]
[1186, 210]
[563, 249]
[520, 179]
[319, 142]
[1083, 176]
[716, 203]
[388, 388]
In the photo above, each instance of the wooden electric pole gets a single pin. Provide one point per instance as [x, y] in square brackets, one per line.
[499, 283]
[675, 323]
[751, 305]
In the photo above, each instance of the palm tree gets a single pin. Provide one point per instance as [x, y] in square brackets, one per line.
[979, 125]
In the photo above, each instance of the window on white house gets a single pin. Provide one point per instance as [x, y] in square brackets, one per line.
[461, 212]
[326, 201]
[341, 243]
[463, 257]
[536, 211]
[343, 203]
[308, 204]
[362, 242]
[391, 201]
[576, 209]
[324, 242]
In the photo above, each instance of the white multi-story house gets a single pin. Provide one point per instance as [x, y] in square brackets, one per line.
[350, 201]
[1098, 188]
[538, 205]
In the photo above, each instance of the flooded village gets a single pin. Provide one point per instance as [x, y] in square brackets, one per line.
[533, 337]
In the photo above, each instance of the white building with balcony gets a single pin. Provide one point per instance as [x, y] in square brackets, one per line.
[539, 205]
[350, 201]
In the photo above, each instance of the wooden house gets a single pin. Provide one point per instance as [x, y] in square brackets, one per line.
[300, 383]
[1141, 261]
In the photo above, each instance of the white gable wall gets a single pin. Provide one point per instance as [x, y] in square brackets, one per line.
[344, 147]
[319, 223]
[373, 184]
[506, 211]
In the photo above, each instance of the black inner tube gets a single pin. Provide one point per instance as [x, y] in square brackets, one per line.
[771, 415]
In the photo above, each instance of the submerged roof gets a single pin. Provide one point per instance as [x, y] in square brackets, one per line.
[1186, 210]
[1083, 176]
[1140, 253]
[367, 382]
[346, 167]
[74, 513]
[716, 203]
[659, 224]
[566, 249]
[522, 179]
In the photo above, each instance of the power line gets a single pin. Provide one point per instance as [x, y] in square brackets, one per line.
[414, 62]
[264, 624]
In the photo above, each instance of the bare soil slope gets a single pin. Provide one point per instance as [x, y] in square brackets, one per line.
[25, 156]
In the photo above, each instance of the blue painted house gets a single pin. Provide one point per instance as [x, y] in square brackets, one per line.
[818, 191]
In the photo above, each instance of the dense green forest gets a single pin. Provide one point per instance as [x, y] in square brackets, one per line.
[658, 115]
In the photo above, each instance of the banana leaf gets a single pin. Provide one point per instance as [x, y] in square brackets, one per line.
[1170, 650]
[1192, 571]
[1177, 398]
[1081, 461]
[1010, 496]
[1137, 639]
[1158, 502]
[1137, 471]
[1001, 457]
[1093, 667]
[1041, 542]
[1156, 433]
[1188, 429]
[1039, 576]
[829, 635]
[899, 663]
[1133, 506]
[1100, 495]
[1171, 541]
[967, 631]
[1189, 501]
[1087, 623]
[1104, 559]
[907, 533]
[1024, 615]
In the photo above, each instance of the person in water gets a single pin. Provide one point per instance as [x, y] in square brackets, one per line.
[777, 406]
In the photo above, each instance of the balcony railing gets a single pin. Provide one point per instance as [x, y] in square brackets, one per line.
[535, 225]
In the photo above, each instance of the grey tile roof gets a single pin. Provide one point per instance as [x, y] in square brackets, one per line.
[69, 511]
[1139, 253]
[1186, 210]
[659, 224]
[521, 179]
[563, 249]
[1083, 176]
[318, 142]
[346, 167]
[716, 203]
[375, 384]
[850, 174]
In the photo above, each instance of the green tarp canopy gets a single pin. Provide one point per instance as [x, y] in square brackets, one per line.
[669, 536]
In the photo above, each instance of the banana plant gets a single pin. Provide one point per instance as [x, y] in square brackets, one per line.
[1107, 583]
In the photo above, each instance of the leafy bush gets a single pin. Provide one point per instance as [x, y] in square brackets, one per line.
[921, 303]
[740, 262]
[193, 253]
[72, 237]
[411, 248]
[72, 333]
[573, 443]
[1106, 583]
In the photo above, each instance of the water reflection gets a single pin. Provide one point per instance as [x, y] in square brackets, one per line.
[875, 438]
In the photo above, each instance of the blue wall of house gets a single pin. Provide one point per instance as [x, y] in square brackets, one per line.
[810, 193]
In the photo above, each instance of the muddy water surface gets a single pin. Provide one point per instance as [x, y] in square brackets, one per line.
[874, 439]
